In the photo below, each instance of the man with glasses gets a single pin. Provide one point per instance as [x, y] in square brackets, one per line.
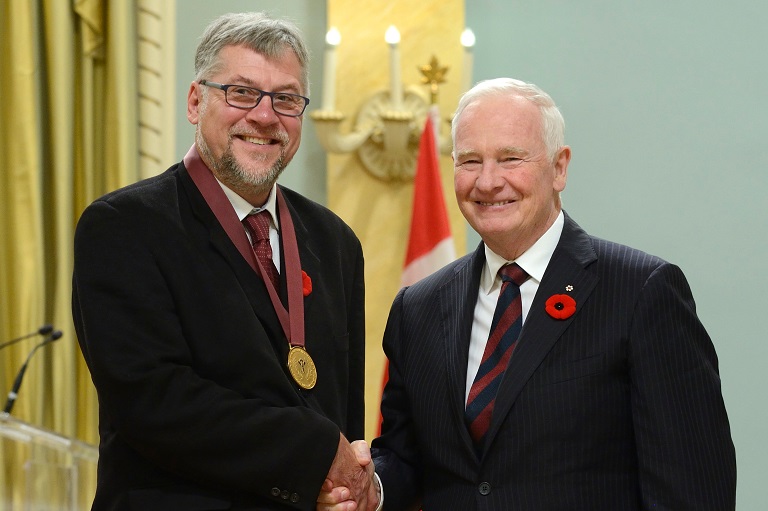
[221, 315]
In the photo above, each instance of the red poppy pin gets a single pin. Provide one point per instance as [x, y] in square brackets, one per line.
[306, 283]
[560, 306]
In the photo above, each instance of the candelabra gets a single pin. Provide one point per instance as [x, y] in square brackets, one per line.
[389, 123]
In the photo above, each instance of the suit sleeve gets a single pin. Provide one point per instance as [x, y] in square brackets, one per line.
[150, 393]
[396, 452]
[685, 453]
[355, 429]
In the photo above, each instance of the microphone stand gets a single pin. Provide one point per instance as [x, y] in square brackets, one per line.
[13, 394]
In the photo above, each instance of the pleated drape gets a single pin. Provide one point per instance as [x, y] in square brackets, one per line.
[68, 134]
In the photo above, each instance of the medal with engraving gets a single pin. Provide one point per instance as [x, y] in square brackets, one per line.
[302, 367]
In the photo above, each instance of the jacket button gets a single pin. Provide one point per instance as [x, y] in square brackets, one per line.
[285, 494]
[275, 492]
[294, 497]
[484, 488]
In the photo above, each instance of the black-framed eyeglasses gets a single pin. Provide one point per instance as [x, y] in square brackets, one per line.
[245, 98]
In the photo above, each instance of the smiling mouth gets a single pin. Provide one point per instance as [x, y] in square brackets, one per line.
[502, 203]
[258, 141]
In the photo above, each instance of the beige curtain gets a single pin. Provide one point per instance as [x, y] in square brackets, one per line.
[68, 133]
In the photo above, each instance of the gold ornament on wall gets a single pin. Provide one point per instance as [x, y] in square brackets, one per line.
[389, 123]
[433, 75]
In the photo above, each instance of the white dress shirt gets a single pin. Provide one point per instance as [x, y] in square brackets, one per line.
[534, 261]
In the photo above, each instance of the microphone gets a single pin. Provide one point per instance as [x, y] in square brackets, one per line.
[13, 394]
[43, 330]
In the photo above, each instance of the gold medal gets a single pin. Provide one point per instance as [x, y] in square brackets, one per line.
[302, 367]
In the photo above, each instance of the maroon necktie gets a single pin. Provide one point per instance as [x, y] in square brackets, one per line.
[505, 329]
[257, 226]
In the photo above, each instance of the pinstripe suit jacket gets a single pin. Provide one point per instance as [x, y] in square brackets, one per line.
[616, 408]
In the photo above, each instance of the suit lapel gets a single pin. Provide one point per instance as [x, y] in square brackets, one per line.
[310, 262]
[220, 242]
[251, 283]
[460, 294]
[540, 331]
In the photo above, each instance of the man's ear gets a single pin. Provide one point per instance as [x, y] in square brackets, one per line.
[194, 100]
[561, 168]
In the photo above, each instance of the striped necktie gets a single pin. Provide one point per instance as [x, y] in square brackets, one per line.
[505, 329]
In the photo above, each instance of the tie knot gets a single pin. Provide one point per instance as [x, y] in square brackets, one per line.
[513, 273]
[259, 225]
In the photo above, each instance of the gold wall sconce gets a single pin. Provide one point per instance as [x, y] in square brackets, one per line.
[389, 123]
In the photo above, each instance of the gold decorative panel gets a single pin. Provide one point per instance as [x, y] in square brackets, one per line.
[378, 210]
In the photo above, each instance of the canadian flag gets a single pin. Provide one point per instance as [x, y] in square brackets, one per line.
[430, 245]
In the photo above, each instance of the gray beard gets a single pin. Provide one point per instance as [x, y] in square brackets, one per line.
[232, 174]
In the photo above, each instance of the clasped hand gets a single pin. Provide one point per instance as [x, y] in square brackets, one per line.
[349, 485]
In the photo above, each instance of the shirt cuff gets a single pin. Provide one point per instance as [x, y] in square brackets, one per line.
[379, 491]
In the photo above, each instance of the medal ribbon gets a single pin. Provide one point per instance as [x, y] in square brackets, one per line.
[291, 320]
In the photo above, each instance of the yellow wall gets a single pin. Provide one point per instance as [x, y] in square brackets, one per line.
[379, 211]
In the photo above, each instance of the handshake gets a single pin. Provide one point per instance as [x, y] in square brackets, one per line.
[351, 484]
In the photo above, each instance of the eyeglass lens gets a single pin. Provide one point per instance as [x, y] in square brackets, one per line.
[245, 97]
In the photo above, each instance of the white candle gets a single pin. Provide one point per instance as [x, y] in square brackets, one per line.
[468, 42]
[392, 37]
[332, 39]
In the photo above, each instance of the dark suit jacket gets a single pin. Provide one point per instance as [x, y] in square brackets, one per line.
[197, 409]
[616, 408]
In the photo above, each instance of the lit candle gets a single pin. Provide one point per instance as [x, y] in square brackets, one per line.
[332, 39]
[467, 41]
[392, 37]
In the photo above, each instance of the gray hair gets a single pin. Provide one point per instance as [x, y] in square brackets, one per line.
[552, 122]
[256, 31]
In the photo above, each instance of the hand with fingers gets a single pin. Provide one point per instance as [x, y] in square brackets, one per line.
[350, 485]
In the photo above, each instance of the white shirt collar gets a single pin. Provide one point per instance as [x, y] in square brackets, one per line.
[534, 260]
[243, 208]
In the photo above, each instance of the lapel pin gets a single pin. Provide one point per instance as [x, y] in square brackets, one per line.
[560, 306]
